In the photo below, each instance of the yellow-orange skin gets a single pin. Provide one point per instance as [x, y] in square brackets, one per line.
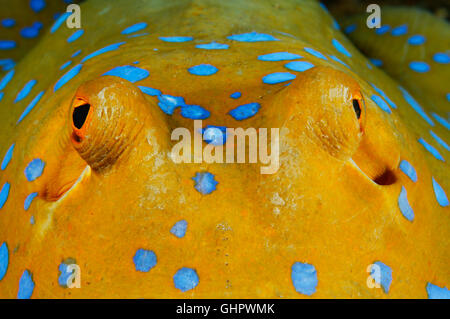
[242, 239]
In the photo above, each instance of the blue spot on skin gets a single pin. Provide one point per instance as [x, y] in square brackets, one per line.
[436, 292]
[7, 44]
[215, 135]
[349, 29]
[203, 69]
[336, 25]
[149, 91]
[26, 286]
[8, 22]
[381, 103]
[194, 112]
[144, 260]
[279, 56]
[299, 66]
[416, 39]
[304, 278]
[30, 106]
[64, 275]
[384, 96]
[75, 54]
[382, 30]
[4, 193]
[419, 66]
[138, 35]
[323, 7]
[129, 72]
[376, 62]
[25, 91]
[409, 170]
[7, 64]
[339, 60]
[431, 149]
[278, 77]
[441, 58]
[6, 79]
[29, 200]
[29, 32]
[384, 277]
[169, 103]
[236, 95]
[400, 30]
[108, 48]
[315, 53]
[245, 111]
[37, 5]
[134, 28]
[75, 36]
[439, 192]
[34, 169]
[179, 229]
[185, 279]
[32, 220]
[439, 140]
[68, 76]
[8, 156]
[340, 48]
[212, 46]
[65, 65]
[441, 121]
[176, 39]
[1, 95]
[59, 21]
[205, 183]
[4, 260]
[416, 106]
[448, 97]
[404, 206]
[38, 25]
[252, 37]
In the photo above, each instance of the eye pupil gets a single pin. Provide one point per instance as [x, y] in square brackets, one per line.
[80, 114]
[357, 108]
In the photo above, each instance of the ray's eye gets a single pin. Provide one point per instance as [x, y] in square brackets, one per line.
[104, 120]
[357, 108]
[80, 114]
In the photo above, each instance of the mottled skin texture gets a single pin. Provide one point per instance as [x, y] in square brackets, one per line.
[242, 239]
